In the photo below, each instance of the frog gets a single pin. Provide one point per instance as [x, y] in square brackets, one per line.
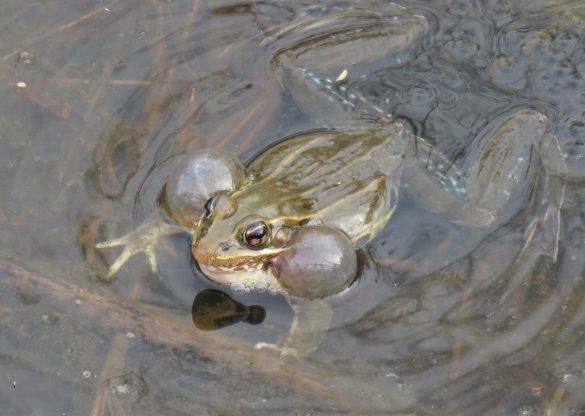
[292, 219]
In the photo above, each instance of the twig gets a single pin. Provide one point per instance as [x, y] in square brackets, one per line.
[163, 327]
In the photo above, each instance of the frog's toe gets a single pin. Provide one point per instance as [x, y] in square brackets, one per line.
[142, 240]
[266, 346]
[283, 351]
[132, 245]
[122, 258]
[130, 250]
[151, 256]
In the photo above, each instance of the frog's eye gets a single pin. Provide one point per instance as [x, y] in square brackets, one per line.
[208, 207]
[220, 207]
[256, 234]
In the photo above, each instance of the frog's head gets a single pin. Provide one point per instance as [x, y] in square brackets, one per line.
[238, 240]
[253, 234]
[266, 250]
[231, 242]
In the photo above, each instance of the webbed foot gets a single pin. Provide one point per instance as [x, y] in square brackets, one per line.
[142, 239]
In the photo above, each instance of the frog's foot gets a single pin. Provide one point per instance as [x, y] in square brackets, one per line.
[542, 234]
[513, 167]
[283, 351]
[143, 240]
[311, 320]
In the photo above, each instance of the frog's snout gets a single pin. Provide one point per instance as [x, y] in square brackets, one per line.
[207, 256]
[201, 256]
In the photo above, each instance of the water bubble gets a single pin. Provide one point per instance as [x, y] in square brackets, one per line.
[458, 8]
[525, 411]
[447, 100]
[26, 58]
[261, 286]
[503, 7]
[566, 42]
[122, 388]
[238, 288]
[507, 71]
[49, 319]
[453, 80]
[421, 96]
[460, 49]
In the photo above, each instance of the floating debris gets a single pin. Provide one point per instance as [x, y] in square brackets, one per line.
[342, 76]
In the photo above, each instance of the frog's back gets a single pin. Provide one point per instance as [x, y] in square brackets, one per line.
[345, 180]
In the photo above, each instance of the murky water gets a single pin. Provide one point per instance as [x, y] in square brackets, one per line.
[97, 98]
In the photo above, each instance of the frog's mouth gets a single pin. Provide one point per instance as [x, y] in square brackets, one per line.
[225, 266]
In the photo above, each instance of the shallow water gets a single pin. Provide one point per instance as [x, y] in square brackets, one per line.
[97, 99]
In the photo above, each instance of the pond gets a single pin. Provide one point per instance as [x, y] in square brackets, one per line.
[99, 97]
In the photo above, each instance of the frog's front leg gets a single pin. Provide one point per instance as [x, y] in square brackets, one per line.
[190, 192]
[311, 320]
[142, 239]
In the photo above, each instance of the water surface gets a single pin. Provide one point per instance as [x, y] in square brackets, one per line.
[97, 99]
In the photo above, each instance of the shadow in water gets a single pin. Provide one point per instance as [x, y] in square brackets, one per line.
[213, 309]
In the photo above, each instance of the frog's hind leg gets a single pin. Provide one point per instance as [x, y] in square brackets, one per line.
[436, 183]
[502, 172]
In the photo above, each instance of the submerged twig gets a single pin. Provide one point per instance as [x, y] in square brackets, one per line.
[47, 101]
[45, 35]
[161, 326]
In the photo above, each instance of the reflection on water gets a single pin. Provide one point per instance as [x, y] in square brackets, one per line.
[98, 98]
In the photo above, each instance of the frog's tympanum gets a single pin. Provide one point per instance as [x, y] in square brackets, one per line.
[293, 219]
